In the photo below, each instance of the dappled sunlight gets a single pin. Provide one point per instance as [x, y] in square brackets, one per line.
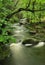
[18, 53]
[40, 44]
[15, 46]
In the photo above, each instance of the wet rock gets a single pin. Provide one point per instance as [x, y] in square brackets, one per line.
[32, 32]
[38, 27]
[21, 24]
[23, 21]
[30, 42]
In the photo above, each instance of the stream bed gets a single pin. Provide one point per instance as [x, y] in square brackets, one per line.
[21, 55]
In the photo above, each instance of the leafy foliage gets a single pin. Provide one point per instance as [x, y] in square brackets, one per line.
[6, 34]
[9, 6]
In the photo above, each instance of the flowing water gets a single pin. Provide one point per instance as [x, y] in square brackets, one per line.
[22, 55]
[20, 32]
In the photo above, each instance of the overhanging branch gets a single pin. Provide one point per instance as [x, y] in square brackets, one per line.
[19, 10]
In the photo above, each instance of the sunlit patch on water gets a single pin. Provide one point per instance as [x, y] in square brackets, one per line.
[18, 31]
[17, 51]
[16, 47]
[40, 44]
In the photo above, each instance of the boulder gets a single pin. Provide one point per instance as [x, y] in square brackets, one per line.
[30, 42]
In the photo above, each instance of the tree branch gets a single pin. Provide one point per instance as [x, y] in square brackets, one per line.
[16, 3]
[19, 10]
[28, 4]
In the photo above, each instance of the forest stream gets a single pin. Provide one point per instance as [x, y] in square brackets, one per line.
[21, 55]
